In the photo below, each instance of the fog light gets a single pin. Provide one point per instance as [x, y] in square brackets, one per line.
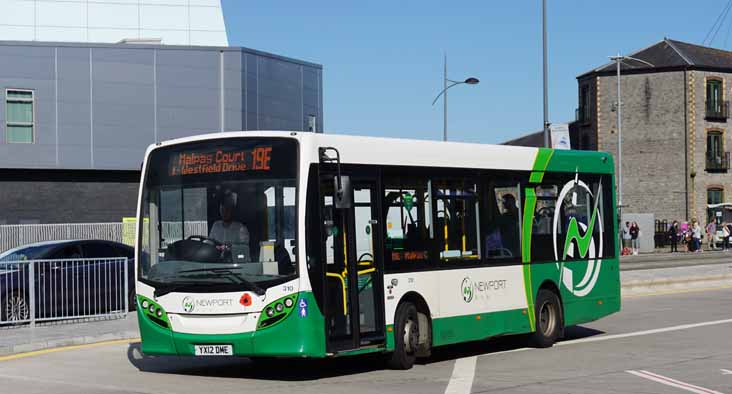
[145, 304]
[152, 308]
[270, 312]
[160, 313]
[289, 302]
[279, 307]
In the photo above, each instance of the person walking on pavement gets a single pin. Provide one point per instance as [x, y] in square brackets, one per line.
[725, 236]
[673, 235]
[696, 235]
[626, 238]
[634, 241]
[711, 231]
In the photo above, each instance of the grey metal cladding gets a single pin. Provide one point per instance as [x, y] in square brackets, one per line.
[74, 108]
[123, 105]
[108, 113]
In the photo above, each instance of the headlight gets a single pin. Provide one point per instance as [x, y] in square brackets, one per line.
[152, 308]
[279, 307]
[160, 313]
[288, 302]
[145, 304]
[270, 312]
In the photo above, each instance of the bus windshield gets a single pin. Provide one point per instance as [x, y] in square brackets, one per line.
[220, 215]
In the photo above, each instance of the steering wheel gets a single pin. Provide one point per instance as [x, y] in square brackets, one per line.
[205, 240]
[367, 254]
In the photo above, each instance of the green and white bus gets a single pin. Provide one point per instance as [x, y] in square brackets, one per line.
[284, 244]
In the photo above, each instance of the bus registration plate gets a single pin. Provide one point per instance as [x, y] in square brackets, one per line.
[214, 350]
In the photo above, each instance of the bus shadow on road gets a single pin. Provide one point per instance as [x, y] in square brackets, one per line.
[272, 369]
[498, 345]
[313, 369]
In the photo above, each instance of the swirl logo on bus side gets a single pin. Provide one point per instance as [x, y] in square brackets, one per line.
[579, 236]
[467, 289]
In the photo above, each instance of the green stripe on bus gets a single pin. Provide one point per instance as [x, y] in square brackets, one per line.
[529, 208]
[540, 164]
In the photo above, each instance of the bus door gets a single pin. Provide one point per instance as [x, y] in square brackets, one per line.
[354, 282]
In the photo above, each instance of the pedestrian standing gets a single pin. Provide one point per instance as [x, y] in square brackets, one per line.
[673, 235]
[711, 231]
[626, 238]
[696, 235]
[725, 236]
[634, 241]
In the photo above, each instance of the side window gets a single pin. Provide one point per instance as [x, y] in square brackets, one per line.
[568, 209]
[457, 219]
[502, 239]
[408, 222]
[99, 251]
[69, 252]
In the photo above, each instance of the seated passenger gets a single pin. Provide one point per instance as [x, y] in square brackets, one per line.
[230, 232]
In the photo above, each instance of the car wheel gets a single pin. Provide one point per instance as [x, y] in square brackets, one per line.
[14, 308]
[549, 320]
[406, 337]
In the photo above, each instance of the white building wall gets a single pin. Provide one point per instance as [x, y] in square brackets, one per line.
[175, 22]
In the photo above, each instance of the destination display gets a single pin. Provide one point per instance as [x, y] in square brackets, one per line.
[220, 161]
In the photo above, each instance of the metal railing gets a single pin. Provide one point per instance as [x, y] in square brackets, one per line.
[23, 234]
[718, 161]
[51, 290]
[719, 112]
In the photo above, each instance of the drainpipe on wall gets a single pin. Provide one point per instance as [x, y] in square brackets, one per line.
[686, 143]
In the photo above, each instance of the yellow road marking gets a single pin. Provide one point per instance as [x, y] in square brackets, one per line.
[65, 348]
[681, 291]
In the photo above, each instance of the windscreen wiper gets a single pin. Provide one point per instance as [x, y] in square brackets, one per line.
[227, 272]
[163, 290]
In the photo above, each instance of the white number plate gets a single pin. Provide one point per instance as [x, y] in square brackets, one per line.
[214, 350]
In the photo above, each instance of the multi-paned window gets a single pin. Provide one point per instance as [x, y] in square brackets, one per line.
[715, 99]
[715, 195]
[19, 116]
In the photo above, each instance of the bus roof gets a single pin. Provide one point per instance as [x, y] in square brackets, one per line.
[426, 153]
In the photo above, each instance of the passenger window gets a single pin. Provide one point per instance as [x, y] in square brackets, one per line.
[408, 222]
[69, 252]
[502, 240]
[457, 219]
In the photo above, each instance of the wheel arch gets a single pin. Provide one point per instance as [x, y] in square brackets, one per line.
[423, 309]
[549, 285]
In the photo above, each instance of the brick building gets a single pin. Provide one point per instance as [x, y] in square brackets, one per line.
[676, 133]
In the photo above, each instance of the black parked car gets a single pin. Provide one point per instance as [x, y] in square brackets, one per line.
[72, 278]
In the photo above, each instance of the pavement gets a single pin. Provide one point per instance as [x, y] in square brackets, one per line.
[640, 275]
[673, 343]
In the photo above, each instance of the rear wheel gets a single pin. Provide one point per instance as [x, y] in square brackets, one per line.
[549, 320]
[14, 308]
[406, 337]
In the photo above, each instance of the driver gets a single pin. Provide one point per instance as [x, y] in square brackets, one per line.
[229, 231]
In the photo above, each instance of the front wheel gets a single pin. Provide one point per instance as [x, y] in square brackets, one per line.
[406, 337]
[549, 322]
[14, 308]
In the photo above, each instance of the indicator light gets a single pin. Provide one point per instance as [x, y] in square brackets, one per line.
[145, 304]
[288, 302]
[270, 312]
[152, 308]
[279, 307]
[160, 313]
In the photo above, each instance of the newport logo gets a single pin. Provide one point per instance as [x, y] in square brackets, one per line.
[480, 288]
[579, 237]
[467, 288]
[188, 304]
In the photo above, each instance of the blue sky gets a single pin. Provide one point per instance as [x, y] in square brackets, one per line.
[383, 59]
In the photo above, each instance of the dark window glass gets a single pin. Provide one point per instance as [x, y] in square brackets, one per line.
[99, 251]
[69, 252]
[502, 239]
[714, 96]
[715, 196]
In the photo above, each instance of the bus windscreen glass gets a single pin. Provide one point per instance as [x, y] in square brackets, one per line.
[220, 215]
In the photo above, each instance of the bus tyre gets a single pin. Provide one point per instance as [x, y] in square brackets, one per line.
[406, 337]
[548, 319]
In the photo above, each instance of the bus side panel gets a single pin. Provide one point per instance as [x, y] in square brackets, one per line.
[603, 300]
[450, 330]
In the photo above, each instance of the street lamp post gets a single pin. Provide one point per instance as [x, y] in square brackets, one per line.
[618, 108]
[445, 86]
